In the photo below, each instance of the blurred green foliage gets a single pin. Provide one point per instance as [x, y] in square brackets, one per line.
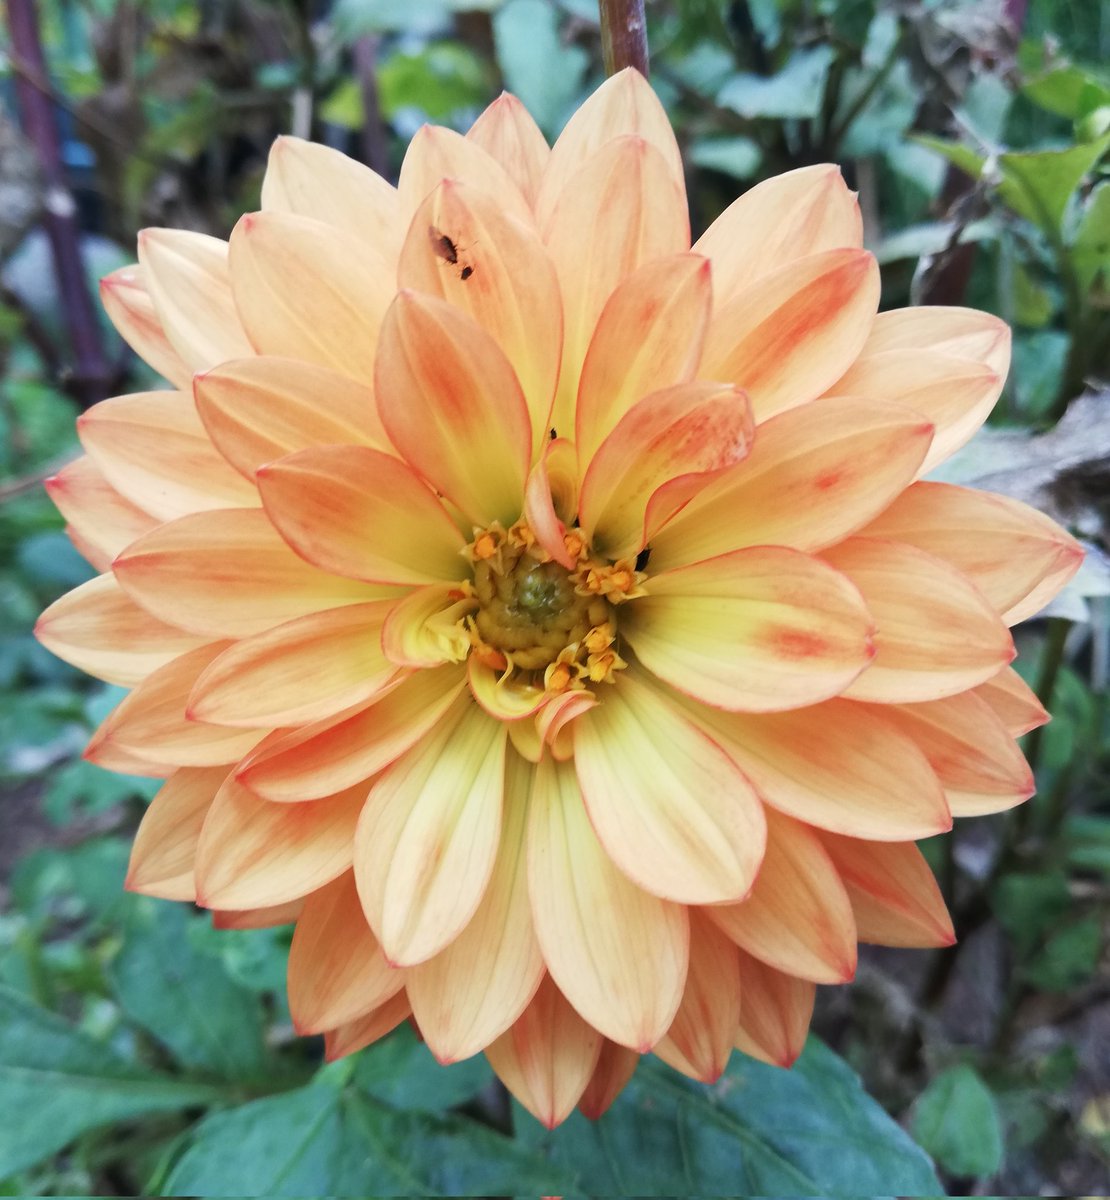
[142, 1050]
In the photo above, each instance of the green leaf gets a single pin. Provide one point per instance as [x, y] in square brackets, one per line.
[438, 81]
[1087, 839]
[56, 1083]
[967, 160]
[810, 1131]
[1069, 91]
[956, 1120]
[1038, 184]
[538, 65]
[327, 1140]
[184, 997]
[739, 157]
[400, 1071]
[1091, 250]
[795, 91]
[1027, 905]
[1069, 958]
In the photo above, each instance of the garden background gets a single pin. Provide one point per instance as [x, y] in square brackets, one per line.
[143, 1051]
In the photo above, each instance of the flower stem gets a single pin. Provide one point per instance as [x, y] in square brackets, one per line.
[624, 35]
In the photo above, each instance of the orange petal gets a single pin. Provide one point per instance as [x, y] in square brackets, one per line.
[337, 971]
[954, 394]
[316, 181]
[615, 1067]
[131, 310]
[471, 992]
[670, 807]
[759, 630]
[936, 633]
[1016, 556]
[436, 153]
[99, 517]
[187, 277]
[624, 104]
[271, 917]
[335, 754]
[775, 1011]
[976, 759]
[548, 1057]
[787, 217]
[649, 336]
[365, 1030]
[151, 721]
[308, 669]
[428, 839]
[451, 404]
[894, 895]
[551, 499]
[701, 1037]
[358, 512]
[617, 953]
[814, 475]
[113, 757]
[621, 209]
[99, 629]
[310, 291]
[1013, 701]
[153, 449]
[253, 853]
[465, 249]
[787, 337]
[506, 131]
[797, 918]
[961, 332]
[227, 574]
[259, 409]
[165, 844]
[665, 449]
[839, 766]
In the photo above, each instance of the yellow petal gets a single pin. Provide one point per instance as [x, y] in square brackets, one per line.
[253, 853]
[797, 918]
[759, 630]
[187, 277]
[504, 699]
[365, 1030]
[337, 971]
[937, 635]
[775, 1011]
[165, 844]
[548, 1057]
[99, 629]
[471, 992]
[506, 131]
[451, 404]
[101, 521]
[428, 838]
[701, 1037]
[615, 1067]
[1013, 701]
[423, 629]
[790, 335]
[894, 896]
[669, 806]
[814, 475]
[617, 953]
[128, 304]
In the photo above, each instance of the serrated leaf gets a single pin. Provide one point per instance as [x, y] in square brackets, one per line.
[956, 1120]
[56, 1083]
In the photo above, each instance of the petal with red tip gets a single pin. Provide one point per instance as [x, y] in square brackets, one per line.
[960, 332]
[508, 134]
[450, 402]
[775, 1011]
[100, 520]
[759, 630]
[814, 475]
[797, 918]
[548, 1057]
[789, 336]
[131, 310]
[337, 971]
[669, 806]
[365, 1030]
[273, 916]
[936, 633]
[617, 953]
[1014, 702]
[551, 499]
[615, 1067]
[427, 841]
[471, 992]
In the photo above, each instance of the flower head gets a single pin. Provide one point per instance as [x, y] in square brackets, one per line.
[550, 617]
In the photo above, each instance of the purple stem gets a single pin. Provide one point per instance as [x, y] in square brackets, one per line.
[375, 145]
[624, 35]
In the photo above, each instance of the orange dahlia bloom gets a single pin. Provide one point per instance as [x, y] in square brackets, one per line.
[550, 616]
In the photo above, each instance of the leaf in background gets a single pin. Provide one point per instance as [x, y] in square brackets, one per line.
[809, 1131]
[328, 1139]
[1069, 958]
[439, 81]
[1090, 253]
[1028, 905]
[80, 789]
[400, 1071]
[1069, 91]
[795, 91]
[538, 66]
[885, 117]
[1088, 842]
[956, 1120]
[969, 161]
[56, 1083]
[184, 997]
[1039, 183]
[739, 157]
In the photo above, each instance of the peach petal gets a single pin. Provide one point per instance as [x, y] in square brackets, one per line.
[508, 134]
[126, 300]
[775, 1011]
[273, 916]
[615, 1067]
[101, 522]
[1014, 702]
[963, 333]
[365, 1030]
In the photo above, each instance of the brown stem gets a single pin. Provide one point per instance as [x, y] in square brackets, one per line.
[375, 145]
[92, 376]
[624, 35]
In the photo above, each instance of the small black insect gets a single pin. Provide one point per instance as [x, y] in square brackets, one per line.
[642, 558]
[443, 245]
[554, 435]
[466, 273]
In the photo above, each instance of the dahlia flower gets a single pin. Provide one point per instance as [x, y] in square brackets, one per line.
[549, 616]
